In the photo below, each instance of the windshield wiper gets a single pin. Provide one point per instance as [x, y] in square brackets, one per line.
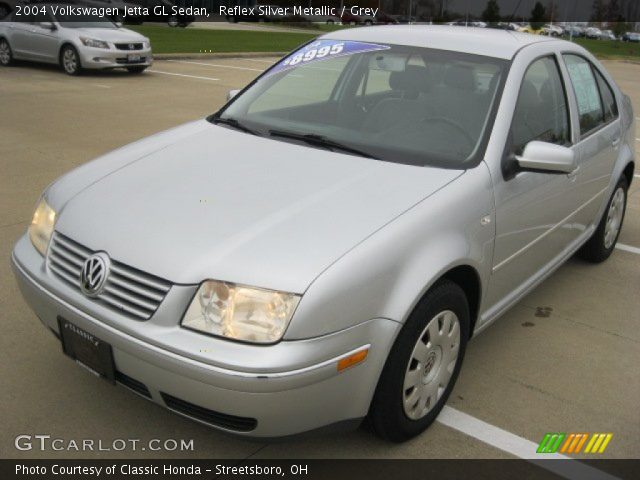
[320, 141]
[232, 122]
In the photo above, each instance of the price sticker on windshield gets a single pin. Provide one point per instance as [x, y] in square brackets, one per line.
[323, 50]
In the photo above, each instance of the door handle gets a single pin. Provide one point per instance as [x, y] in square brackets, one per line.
[615, 142]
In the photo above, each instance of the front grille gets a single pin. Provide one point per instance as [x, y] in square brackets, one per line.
[127, 46]
[133, 384]
[224, 420]
[128, 291]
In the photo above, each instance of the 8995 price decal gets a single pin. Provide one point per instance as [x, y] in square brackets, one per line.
[323, 50]
[308, 55]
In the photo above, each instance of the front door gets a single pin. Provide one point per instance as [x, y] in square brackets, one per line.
[533, 209]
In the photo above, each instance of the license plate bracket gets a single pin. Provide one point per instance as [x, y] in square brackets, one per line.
[88, 350]
[133, 58]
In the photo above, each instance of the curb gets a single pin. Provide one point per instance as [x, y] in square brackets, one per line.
[187, 56]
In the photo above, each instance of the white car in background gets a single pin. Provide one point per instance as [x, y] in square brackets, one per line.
[593, 33]
[75, 42]
[552, 30]
[607, 35]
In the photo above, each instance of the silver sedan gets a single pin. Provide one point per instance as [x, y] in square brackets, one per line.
[322, 248]
[56, 34]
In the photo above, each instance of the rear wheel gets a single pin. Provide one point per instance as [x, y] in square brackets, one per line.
[70, 60]
[423, 364]
[6, 55]
[136, 70]
[604, 239]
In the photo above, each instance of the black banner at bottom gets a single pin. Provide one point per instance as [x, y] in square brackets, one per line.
[319, 469]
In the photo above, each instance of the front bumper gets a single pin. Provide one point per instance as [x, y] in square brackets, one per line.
[93, 58]
[287, 388]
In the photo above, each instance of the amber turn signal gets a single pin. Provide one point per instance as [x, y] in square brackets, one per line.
[352, 360]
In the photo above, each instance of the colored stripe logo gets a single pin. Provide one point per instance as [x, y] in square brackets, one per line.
[573, 443]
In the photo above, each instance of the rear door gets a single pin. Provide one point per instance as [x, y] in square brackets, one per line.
[598, 125]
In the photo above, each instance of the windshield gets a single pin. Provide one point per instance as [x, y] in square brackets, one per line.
[84, 21]
[400, 104]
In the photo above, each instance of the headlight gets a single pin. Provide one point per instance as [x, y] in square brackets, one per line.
[41, 228]
[92, 42]
[146, 44]
[241, 313]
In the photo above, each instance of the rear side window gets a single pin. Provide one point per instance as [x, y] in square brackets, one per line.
[608, 98]
[587, 93]
[541, 111]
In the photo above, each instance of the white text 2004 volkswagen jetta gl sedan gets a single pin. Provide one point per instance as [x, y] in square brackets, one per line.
[322, 248]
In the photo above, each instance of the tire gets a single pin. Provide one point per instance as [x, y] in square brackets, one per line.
[604, 239]
[393, 414]
[6, 55]
[172, 21]
[70, 60]
[136, 70]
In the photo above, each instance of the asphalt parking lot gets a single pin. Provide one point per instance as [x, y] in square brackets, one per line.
[565, 359]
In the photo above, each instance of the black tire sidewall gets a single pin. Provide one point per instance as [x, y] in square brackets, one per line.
[594, 250]
[387, 413]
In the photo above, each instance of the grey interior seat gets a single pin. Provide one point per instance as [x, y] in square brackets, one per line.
[408, 104]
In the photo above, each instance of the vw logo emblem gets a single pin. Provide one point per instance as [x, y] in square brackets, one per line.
[132, 46]
[94, 273]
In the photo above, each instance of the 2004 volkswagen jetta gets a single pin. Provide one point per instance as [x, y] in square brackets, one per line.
[322, 248]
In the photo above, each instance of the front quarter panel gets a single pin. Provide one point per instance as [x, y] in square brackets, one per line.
[387, 274]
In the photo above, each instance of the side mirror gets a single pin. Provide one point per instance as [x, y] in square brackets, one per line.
[48, 26]
[231, 94]
[547, 157]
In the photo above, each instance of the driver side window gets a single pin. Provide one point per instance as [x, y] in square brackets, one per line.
[541, 111]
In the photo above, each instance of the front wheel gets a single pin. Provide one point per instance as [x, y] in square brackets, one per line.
[70, 60]
[423, 365]
[6, 56]
[604, 239]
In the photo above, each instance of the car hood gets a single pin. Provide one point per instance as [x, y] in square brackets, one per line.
[111, 34]
[222, 204]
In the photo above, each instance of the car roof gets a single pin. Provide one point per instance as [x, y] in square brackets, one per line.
[479, 41]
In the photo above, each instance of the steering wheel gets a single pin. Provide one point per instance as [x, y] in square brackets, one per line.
[454, 124]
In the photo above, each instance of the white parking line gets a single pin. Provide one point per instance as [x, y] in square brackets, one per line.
[628, 248]
[217, 65]
[518, 446]
[183, 75]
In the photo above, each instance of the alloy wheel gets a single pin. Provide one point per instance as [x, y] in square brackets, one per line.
[431, 364]
[5, 53]
[70, 61]
[614, 218]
